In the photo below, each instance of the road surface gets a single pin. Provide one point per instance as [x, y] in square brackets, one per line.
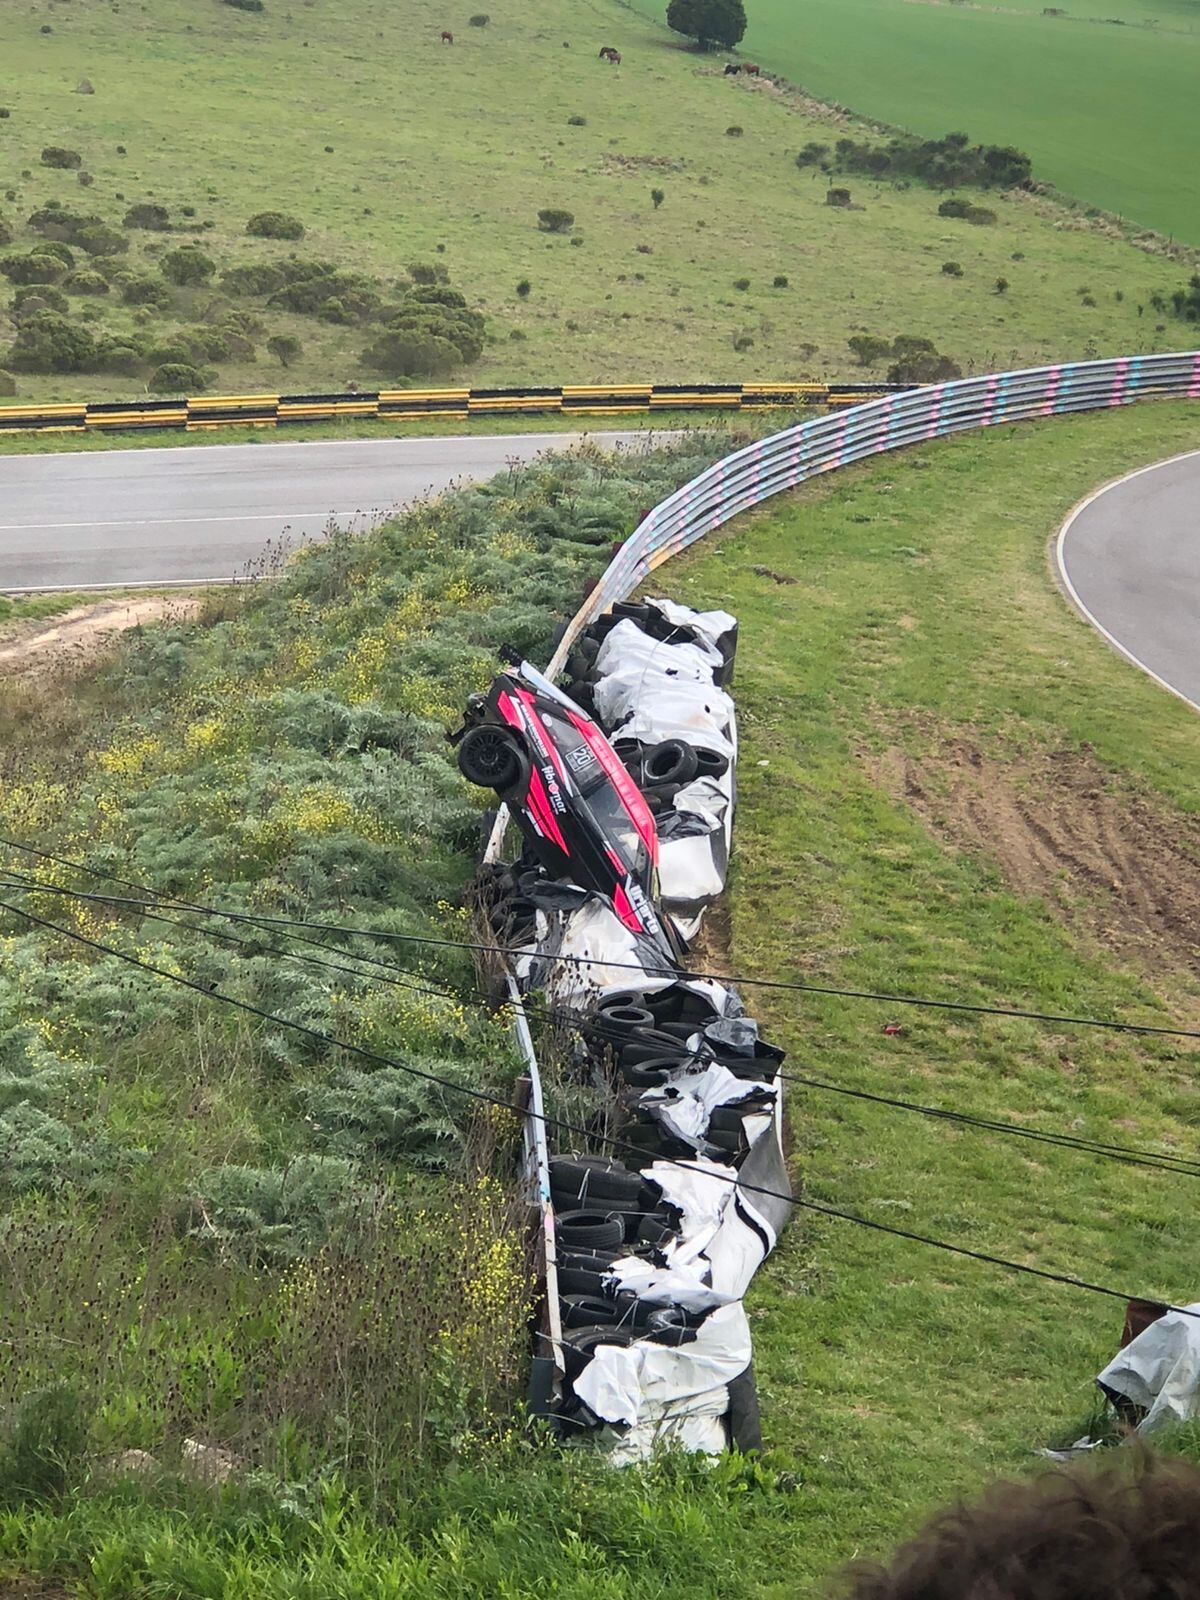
[1129, 558]
[207, 513]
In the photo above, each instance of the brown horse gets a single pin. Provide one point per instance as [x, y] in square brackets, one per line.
[447, 36]
[750, 69]
[609, 54]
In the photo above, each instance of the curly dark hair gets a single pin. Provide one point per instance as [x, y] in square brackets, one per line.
[1127, 1531]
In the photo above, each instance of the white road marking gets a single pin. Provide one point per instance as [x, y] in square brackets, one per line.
[1073, 594]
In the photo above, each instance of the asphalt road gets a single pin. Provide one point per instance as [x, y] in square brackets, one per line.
[212, 512]
[1130, 559]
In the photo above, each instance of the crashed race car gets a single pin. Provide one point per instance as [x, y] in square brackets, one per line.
[579, 811]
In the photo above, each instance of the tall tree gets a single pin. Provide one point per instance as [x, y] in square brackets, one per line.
[709, 22]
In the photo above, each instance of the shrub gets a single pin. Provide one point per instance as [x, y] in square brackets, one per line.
[837, 197]
[812, 154]
[36, 297]
[1184, 302]
[868, 348]
[98, 239]
[56, 248]
[733, 131]
[949, 162]
[577, 122]
[85, 282]
[953, 207]
[84, 179]
[120, 358]
[187, 266]
[427, 273]
[176, 377]
[709, 22]
[656, 198]
[246, 5]
[980, 216]
[8, 384]
[285, 347]
[743, 341]
[479, 20]
[553, 220]
[45, 1442]
[523, 289]
[924, 366]
[55, 156]
[952, 269]
[147, 215]
[5, 234]
[259, 278]
[1001, 285]
[38, 267]
[275, 225]
[143, 291]
[741, 283]
[50, 342]
[779, 281]
[1087, 300]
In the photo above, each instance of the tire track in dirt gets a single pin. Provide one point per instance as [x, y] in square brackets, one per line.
[1108, 857]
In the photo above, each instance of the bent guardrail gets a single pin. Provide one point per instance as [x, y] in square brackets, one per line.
[784, 461]
[411, 405]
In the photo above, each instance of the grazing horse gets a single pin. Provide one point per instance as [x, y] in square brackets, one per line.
[609, 54]
[750, 69]
[732, 69]
[447, 36]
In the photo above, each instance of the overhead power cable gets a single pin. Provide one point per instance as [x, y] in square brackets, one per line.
[385, 972]
[884, 997]
[611, 1141]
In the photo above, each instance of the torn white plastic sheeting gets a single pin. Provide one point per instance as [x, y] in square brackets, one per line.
[686, 1101]
[652, 691]
[681, 1286]
[637, 1383]
[1159, 1371]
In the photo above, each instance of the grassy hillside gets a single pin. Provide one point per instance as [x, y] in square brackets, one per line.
[951, 787]
[386, 145]
[1100, 97]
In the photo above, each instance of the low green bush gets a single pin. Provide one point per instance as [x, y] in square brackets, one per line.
[275, 225]
[148, 214]
[177, 377]
[138, 290]
[552, 219]
[187, 266]
[48, 341]
[85, 281]
[56, 156]
[37, 267]
[256, 278]
[952, 269]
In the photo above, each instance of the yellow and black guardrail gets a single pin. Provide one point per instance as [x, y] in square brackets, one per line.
[407, 405]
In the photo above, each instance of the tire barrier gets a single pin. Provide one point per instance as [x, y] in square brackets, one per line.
[409, 405]
[736, 484]
[658, 1239]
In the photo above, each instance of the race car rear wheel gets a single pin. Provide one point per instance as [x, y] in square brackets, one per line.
[488, 756]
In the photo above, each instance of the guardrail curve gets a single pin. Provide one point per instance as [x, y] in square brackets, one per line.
[787, 459]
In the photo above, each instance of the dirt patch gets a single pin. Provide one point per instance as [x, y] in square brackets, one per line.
[75, 639]
[712, 948]
[1062, 827]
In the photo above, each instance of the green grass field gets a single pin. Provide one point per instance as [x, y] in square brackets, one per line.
[230, 113]
[1105, 110]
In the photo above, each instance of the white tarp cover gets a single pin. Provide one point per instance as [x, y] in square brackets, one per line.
[645, 1392]
[1159, 1371]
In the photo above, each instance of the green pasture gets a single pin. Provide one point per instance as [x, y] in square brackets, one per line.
[1105, 105]
[230, 113]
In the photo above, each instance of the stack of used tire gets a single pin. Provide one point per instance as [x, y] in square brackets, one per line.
[659, 1230]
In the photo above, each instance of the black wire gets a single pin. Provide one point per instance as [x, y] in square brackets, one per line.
[790, 986]
[1156, 1160]
[558, 1122]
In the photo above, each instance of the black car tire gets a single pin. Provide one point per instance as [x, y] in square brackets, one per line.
[711, 764]
[588, 1311]
[489, 756]
[581, 1343]
[590, 1229]
[671, 761]
[650, 1042]
[596, 1177]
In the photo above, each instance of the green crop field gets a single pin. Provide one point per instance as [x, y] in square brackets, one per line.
[391, 149]
[1105, 105]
